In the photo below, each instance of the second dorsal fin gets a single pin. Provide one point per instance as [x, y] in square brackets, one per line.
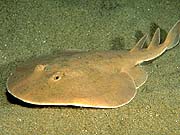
[155, 40]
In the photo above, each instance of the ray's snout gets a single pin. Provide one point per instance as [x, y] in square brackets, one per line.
[25, 78]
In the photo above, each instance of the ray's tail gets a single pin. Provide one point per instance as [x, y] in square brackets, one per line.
[155, 49]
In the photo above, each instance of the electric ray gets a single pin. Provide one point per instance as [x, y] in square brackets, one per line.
[100, 79]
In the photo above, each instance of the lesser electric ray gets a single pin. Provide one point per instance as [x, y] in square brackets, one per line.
[105, 79]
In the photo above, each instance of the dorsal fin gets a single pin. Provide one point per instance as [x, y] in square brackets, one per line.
[139, 44]
[155, 40]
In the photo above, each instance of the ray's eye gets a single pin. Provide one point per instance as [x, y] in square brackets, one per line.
[58, 76]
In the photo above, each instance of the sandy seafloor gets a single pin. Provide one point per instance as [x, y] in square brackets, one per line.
[38, 27]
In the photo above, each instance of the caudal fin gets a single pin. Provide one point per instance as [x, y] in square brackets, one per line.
[173, 36]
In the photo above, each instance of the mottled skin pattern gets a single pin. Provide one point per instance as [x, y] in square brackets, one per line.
[105, 79]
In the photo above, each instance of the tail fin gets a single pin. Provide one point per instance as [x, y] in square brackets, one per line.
[173, 36]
